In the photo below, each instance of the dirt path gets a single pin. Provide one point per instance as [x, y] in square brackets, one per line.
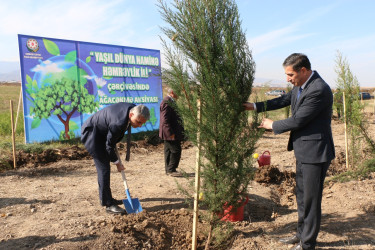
[56, 206]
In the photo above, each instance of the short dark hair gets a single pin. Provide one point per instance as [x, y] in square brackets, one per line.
[297, 61]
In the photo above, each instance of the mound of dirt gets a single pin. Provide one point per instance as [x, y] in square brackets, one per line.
[74, 152]
[338, 165]
[270, 174]
[169, 229]
[285, 183]
[50, 155]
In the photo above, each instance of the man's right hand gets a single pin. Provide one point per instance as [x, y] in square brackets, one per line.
[120, 167]
[248, 106]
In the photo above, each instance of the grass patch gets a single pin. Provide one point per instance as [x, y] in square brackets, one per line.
[5, 125]
[9, 92]
[362, 172]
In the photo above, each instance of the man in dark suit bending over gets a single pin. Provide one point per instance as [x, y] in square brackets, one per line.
[100, 133]
[311, 139]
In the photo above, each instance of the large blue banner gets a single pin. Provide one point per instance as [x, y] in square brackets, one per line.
[64, 82]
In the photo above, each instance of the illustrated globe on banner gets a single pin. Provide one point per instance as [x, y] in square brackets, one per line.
[57, 68]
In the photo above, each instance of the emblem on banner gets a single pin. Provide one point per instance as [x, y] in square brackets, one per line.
[32, 45]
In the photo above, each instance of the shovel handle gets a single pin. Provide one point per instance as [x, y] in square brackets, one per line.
[122, 171]
[124, 179]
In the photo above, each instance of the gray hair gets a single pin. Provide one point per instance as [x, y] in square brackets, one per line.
[141, 110]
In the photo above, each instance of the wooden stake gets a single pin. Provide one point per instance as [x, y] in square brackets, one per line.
[197, 183]
[13, 137]
[346, 136]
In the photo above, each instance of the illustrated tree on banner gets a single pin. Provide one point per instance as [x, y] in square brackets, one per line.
[61, 92]
[210, 63]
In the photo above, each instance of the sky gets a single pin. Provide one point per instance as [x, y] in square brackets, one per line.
[274, 29]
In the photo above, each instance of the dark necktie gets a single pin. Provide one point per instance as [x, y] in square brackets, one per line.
[128, 140]
[299, 92]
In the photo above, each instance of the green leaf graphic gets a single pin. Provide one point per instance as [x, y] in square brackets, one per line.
[51, 47]
[35, 123]
[28, 79]
[153, 118]
[71, 56]
[73, 125]
[88, 59]
[35, 84]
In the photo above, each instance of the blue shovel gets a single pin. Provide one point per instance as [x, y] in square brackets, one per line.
[131, 205]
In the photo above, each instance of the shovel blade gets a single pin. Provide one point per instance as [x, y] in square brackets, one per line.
[133, 206]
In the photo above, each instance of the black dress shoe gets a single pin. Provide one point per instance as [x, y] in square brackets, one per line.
[114, 209]
[298, 247]
[290, 240]
[117, 202]
[174, 174]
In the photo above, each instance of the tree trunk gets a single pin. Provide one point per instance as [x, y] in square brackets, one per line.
[66, 125]
[208, 242]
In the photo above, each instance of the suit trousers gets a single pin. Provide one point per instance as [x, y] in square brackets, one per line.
[102, 164]
[103, 169]
[172, 155]
[309, 189]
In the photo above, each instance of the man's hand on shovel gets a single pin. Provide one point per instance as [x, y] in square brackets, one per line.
[120, 167]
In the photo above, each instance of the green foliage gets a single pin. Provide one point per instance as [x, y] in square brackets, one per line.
[347, 83]
[33, 148]
[223, 234]
[370, 141]
[62, 97]
[64, 137]
[210, 63]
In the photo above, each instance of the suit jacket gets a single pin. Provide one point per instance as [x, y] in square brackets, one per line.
[170, 121]
[310, 123]
[105, 128]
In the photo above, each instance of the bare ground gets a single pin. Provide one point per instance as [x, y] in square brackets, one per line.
[55, 205]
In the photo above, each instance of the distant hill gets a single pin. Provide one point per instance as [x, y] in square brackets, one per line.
[10, 71]
[14, 76]
[258, 82]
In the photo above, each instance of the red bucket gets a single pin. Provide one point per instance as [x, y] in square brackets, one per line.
[236, 214]
[264, 159]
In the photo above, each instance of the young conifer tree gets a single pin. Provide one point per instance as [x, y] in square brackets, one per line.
[346, 82]
[209, 62]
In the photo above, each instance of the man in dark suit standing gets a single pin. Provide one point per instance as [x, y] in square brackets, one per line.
[310, 138]
[171, 131]
[100, 133]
